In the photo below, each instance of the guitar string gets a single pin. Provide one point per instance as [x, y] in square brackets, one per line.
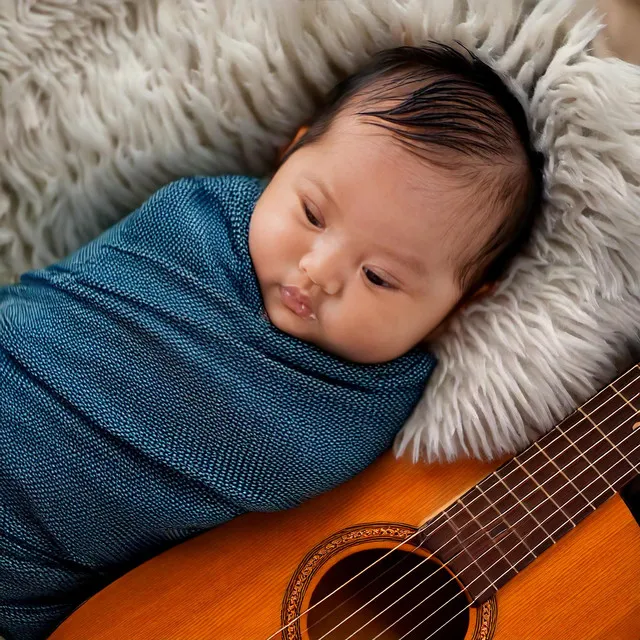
[492, 504]
[442, 513]
[432, 521]
[521, 541]
[505, 573]
[482, 530]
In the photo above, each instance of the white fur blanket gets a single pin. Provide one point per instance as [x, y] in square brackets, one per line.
[104, 101]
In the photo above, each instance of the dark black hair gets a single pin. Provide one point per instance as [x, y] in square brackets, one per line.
[434, 98]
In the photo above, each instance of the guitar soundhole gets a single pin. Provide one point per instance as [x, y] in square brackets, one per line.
[437, 609]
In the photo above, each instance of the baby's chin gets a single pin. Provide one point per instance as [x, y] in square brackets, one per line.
[288, 322]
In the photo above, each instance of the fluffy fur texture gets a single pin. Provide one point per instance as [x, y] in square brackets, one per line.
[104, 101]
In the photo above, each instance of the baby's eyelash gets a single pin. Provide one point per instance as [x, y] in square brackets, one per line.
[376, 279]
[315, 222]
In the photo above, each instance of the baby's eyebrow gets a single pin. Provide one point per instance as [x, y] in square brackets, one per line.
[323, 190]
[411, 263]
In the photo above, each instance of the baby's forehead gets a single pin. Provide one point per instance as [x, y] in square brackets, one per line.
[456, 214]
[451, 199]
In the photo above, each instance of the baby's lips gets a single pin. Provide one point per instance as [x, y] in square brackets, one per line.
[297, 301]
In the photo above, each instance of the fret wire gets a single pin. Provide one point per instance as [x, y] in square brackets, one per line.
[586, 459]
[448, 601]
[524, 506]
[482, 571]
[624, 398]
[549, 433]
[540, 485]
[549, 460]
[606, 437]
[428, 523]
[561, 471]
[541, 450]
[584, 417]
[540, 526]
[622, 375]
[462, 610]
[601, 493]
[423, 527]
[581, 509]
[505, 522]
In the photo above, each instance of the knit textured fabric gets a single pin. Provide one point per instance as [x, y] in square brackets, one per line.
[146, 397]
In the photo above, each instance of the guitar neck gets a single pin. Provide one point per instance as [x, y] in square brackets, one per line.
[507, 520]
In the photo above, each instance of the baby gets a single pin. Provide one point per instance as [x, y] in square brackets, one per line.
[413, 187]
[232, 347]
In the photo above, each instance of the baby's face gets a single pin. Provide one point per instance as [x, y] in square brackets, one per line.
[354, 242]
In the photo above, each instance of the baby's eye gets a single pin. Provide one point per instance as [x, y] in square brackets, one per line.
[310, 217]
[375, 279]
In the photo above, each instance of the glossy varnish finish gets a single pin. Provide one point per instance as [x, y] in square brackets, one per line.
[229, 583]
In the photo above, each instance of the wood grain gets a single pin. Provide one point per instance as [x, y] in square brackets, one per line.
[228, 583]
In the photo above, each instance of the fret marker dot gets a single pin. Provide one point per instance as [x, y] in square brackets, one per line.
[636, 425]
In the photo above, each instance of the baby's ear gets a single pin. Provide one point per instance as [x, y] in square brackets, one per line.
[484, 290]
[301, 131]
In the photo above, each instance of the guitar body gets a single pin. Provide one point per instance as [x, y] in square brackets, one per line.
[247, 579]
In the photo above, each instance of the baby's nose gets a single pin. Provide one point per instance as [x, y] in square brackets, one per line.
[323, 267]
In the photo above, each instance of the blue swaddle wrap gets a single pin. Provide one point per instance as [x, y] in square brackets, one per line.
[146, 397]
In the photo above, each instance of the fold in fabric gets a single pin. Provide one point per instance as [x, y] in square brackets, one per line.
[145, 397]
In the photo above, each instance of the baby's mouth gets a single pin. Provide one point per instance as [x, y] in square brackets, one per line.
[297, 301]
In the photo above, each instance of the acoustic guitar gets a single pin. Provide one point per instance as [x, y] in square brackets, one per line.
[541, 547]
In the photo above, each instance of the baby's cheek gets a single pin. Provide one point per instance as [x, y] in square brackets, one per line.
[352, 322]
[270, 247]
[284, 243]
[366, 329]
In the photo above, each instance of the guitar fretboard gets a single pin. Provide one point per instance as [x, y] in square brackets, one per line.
[507, 520]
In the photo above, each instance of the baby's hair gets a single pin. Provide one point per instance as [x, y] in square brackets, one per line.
[437, 98]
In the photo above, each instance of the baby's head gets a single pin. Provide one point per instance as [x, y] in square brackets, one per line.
[412, 187]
